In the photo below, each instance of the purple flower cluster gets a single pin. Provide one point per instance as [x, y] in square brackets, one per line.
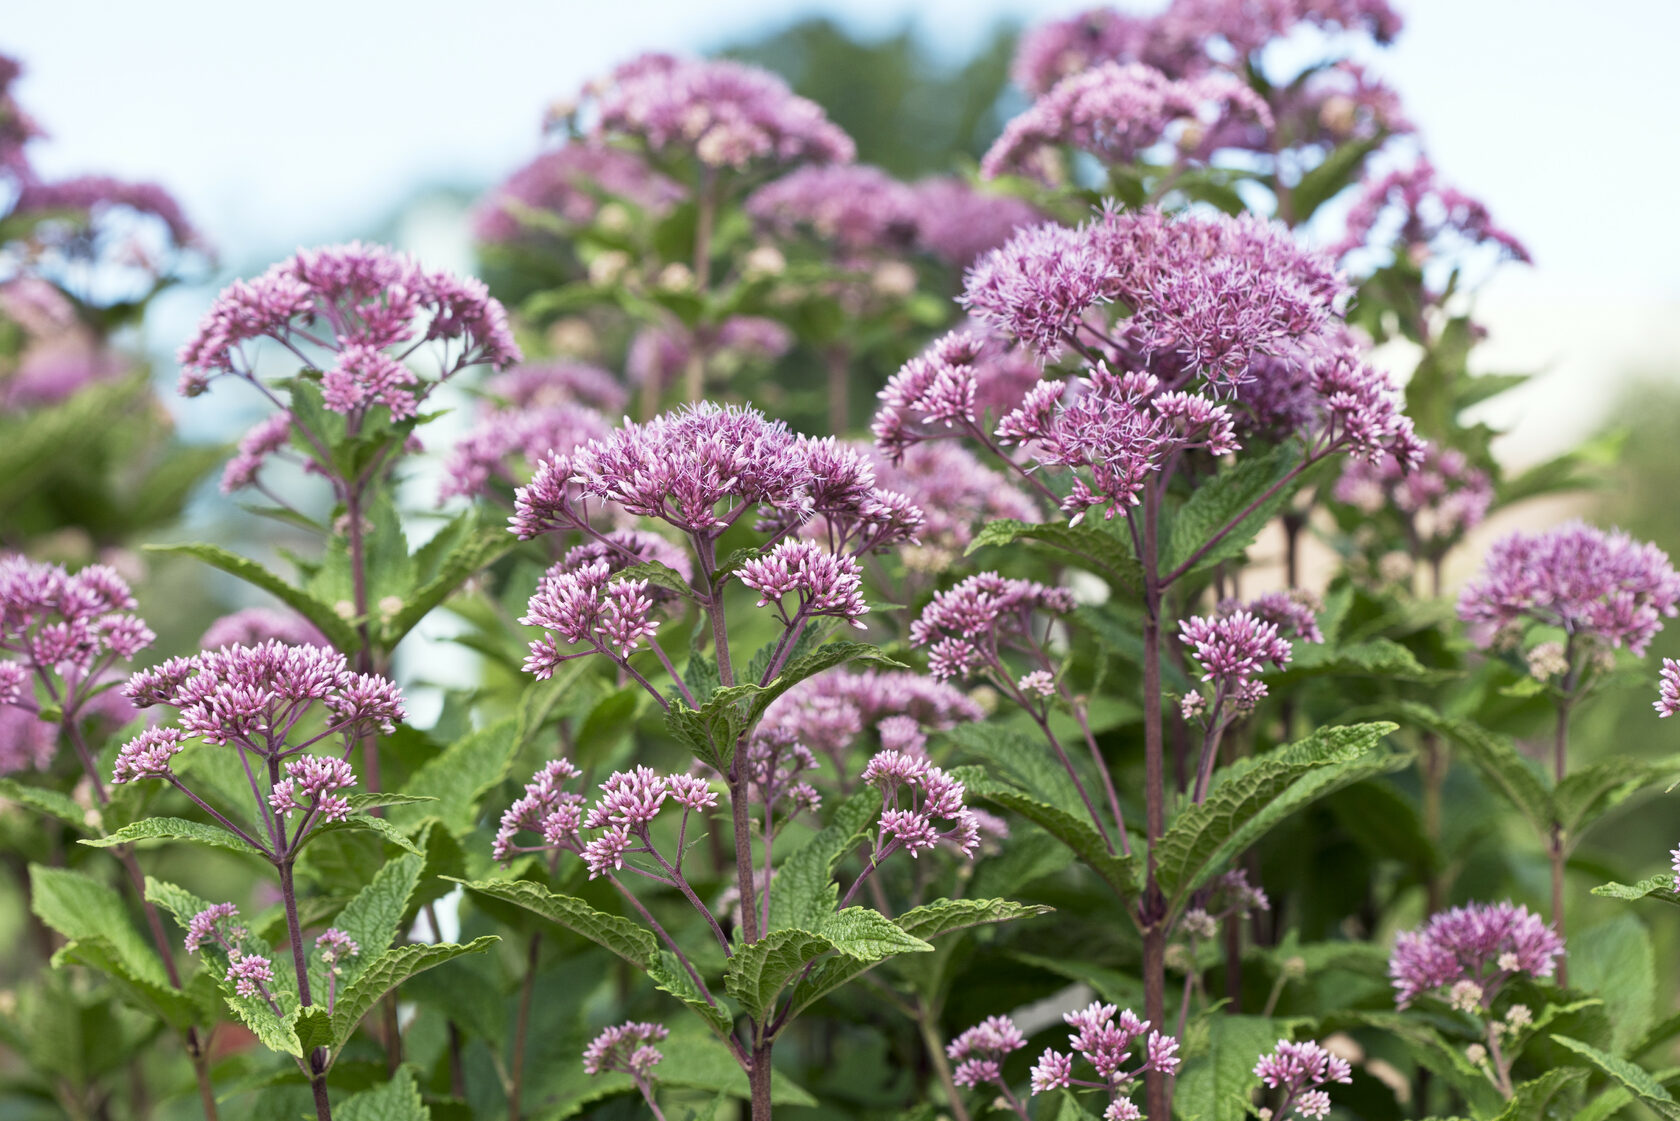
[566, 185]
[64, 627]
[94, 199]
[627, 1048]
[1412, 210]
[250, 974]
[1667, 702]
[584, 604]
[822, 583]
[1299, 1069]
[724, 114]
[828, 713]
[1187, 38]
[979, 1052]
[956, 222]
[253, 626]
[1336, 104]
[1119, 428]
[1204, 295]
[854, 207]
[1105, 1041]
[1117, 112]
[620, 818]
[1443, 496]
[1474, 950]
[1595, 585]
[956, 494]
[1232, 648]
[914, 794]
[254, 698]
[505, 439]
[968, 626]
[357, 312]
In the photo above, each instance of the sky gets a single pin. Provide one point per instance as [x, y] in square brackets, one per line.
[277, 133]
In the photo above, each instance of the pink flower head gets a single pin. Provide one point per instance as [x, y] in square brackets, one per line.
[254, 625]
[214, 924]
[828, 713]
[14, 682]
[254, 696]
[147, 755]
[545, 808]
[1292, 612]
[505, 440]
[914, 793]
[568, 184]
[858, 209]
[587, 605]
[27, 743]
[1484, 943]
[821, 582]
[1232, 649]
[979, 1052]
[1117, 112]
[1106, 1041]
[1299, 1069]
[549, 383]
[250, 974]
[626, 1049]
[314, 777]
[1668, 699]
[334, 946]
[255, 448]
[1596, 584]
[957, 222]
[70, 626]
[1414, 211]
[363, 306]
[1442, 496]
[724, 114]
[979, 615]
[630, 799]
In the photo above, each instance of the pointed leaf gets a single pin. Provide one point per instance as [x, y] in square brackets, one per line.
[389, 970]
[805, 892]
[1100, 548]
[1633, 1078]
[1494, 755]
[1659, 887]
[365, 823]
[668, 975]
[1119, 872]
[172, 829]
[1234, 507]
[396, 1100]
[372, 919]
[633, 943]
[327, 620]
[50, 802]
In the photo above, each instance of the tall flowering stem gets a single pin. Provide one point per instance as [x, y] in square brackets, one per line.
[700, 471]
[271, 704]
[357, 318]
[67, 633]
[1602, 591]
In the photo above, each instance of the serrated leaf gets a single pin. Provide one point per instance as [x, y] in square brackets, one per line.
[366, 823]
[1200, 838]
[1094, 545]
[1659, 887]
[657, 574]
[1216, 1084]
[172, 829]
[313, 1028]
[443, 564]
[459, 776]
[804, 893]
[1376, 657]
[1119, 872]
[80, 907]
[50, 802]
[1223, 516]
[633, 943]
[396, 1100]
[372, 919]
[760, 970]
[389, 970]
[275, 1032]
[170, 1004]
[946, 916]
[668, 975]
[1633, 1078]
[1531, 1097]
[340, 633]
[1590, 792]
[1614, 961]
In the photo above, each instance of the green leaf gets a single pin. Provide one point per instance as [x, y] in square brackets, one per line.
[1589, 793]
[1024, 760]
[1096, 546]
[1216, 1085]
[277, 1033]
[80, 907]
[804, 892]
[633, 943]
[396, 1100]
[340, 633]
[1331, 176]
[1530, 1099]
[443, 564]
[659, 575]
[946, 916]
[1614, 962]
[389, 970]
[760, 970]
[459, 776]
[1659, 887]
[313, 1028]
[366, 823]
[668, 975]
[823, 658]
[1633, 1078]
[1377, 657]
[372, 919]
[1119, 872]
[1495, 756]
[50, 802]
[1219, 505]
[173, 1006]
[1246, 799]
[172, 829]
